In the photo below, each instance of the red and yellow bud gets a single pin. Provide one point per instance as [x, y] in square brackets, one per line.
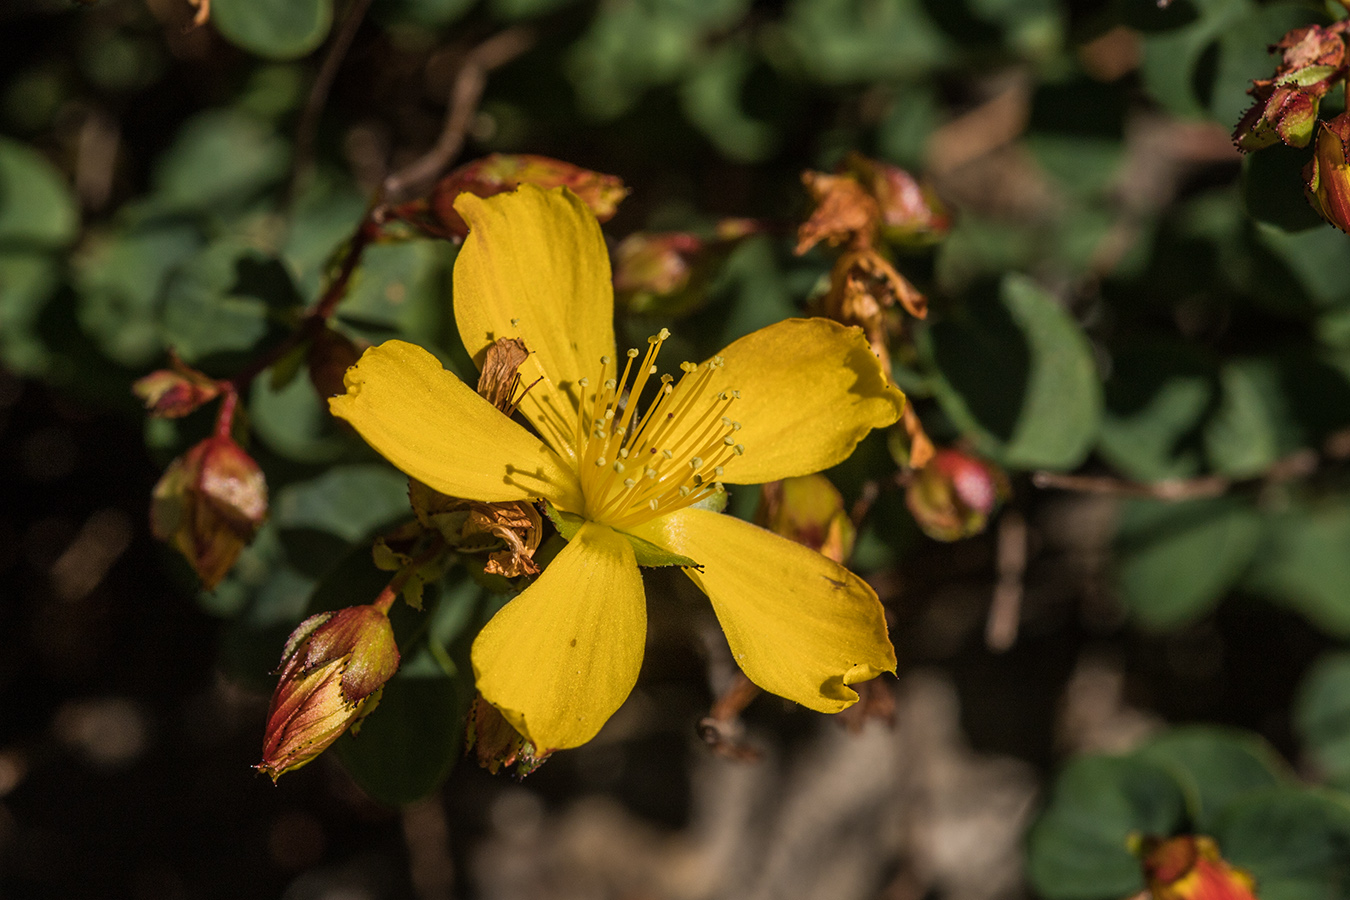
[1285, 108]
[1190, 867]
[911, 213]
[809, 510]
[209, 503]
[495, 744]
[1328, 173]
[668, 273]
[332, 672]
[172, 393]
[955, 494]
[501, 172]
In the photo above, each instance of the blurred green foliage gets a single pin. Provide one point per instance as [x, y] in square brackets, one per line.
[1121, 296]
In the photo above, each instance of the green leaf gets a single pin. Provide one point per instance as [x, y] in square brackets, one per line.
[227, 301]
[1155, 398]
[1318, 257]
[1171, 58]
[1215, 766]
[1243, 437]
[1159, 544]
[401, 290]
[221, 160]
[406, 747]
[27, 280]
[294, 421]
[1272, 194]
[37, 208]
[1077, 850]
[1293, 841]
[1018, 377]
[277, 29]
[1303, 564]
[711, 99]
[120, 275]
[1322, 717]
[349, 501]
[844, 41]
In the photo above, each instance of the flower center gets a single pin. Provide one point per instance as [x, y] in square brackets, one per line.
[637, 468]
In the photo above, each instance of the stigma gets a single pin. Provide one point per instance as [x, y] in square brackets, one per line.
[634, 468]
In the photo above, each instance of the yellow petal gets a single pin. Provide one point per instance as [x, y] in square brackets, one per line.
[535, 267]
[434, 427]
[799, 625]
[559, 659]
[810, 390]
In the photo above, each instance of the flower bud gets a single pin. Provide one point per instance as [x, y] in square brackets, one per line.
[209, 503]
[501, 172]
[496, 744]
[911, 213]
[955, 494]
[810, 511]
[1285, 107]
[1328, 173]
[1189, 867]
[332, 672]
[173, 393]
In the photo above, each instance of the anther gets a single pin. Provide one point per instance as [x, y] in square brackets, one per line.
[632, 353]
[664, 335]
[515, 323]
[738, 449]
[667, 454]
[584, 382]
[688, 367]
[695, 462]
[618, 466]
[628, 482]
[604, 360]
[600, 461]
[729, 440]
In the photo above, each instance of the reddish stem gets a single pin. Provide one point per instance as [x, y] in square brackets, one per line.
[229, 401]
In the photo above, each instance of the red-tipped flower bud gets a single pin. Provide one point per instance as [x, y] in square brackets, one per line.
[209, 504]
[911, 213]
[808, 510]
[501, 172]
[1285, 107]
[1189, 867]
[955, 494]
[332, 672]
[172, 393]
[1328, 173]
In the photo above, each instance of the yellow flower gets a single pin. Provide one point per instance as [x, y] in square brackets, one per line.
[790, 399]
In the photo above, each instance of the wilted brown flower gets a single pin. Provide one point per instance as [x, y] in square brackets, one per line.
[495, 744]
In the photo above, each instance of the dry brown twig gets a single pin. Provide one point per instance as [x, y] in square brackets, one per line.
[308, 126]
[470, 83]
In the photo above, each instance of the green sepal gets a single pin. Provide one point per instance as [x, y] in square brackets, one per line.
[646, 553]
